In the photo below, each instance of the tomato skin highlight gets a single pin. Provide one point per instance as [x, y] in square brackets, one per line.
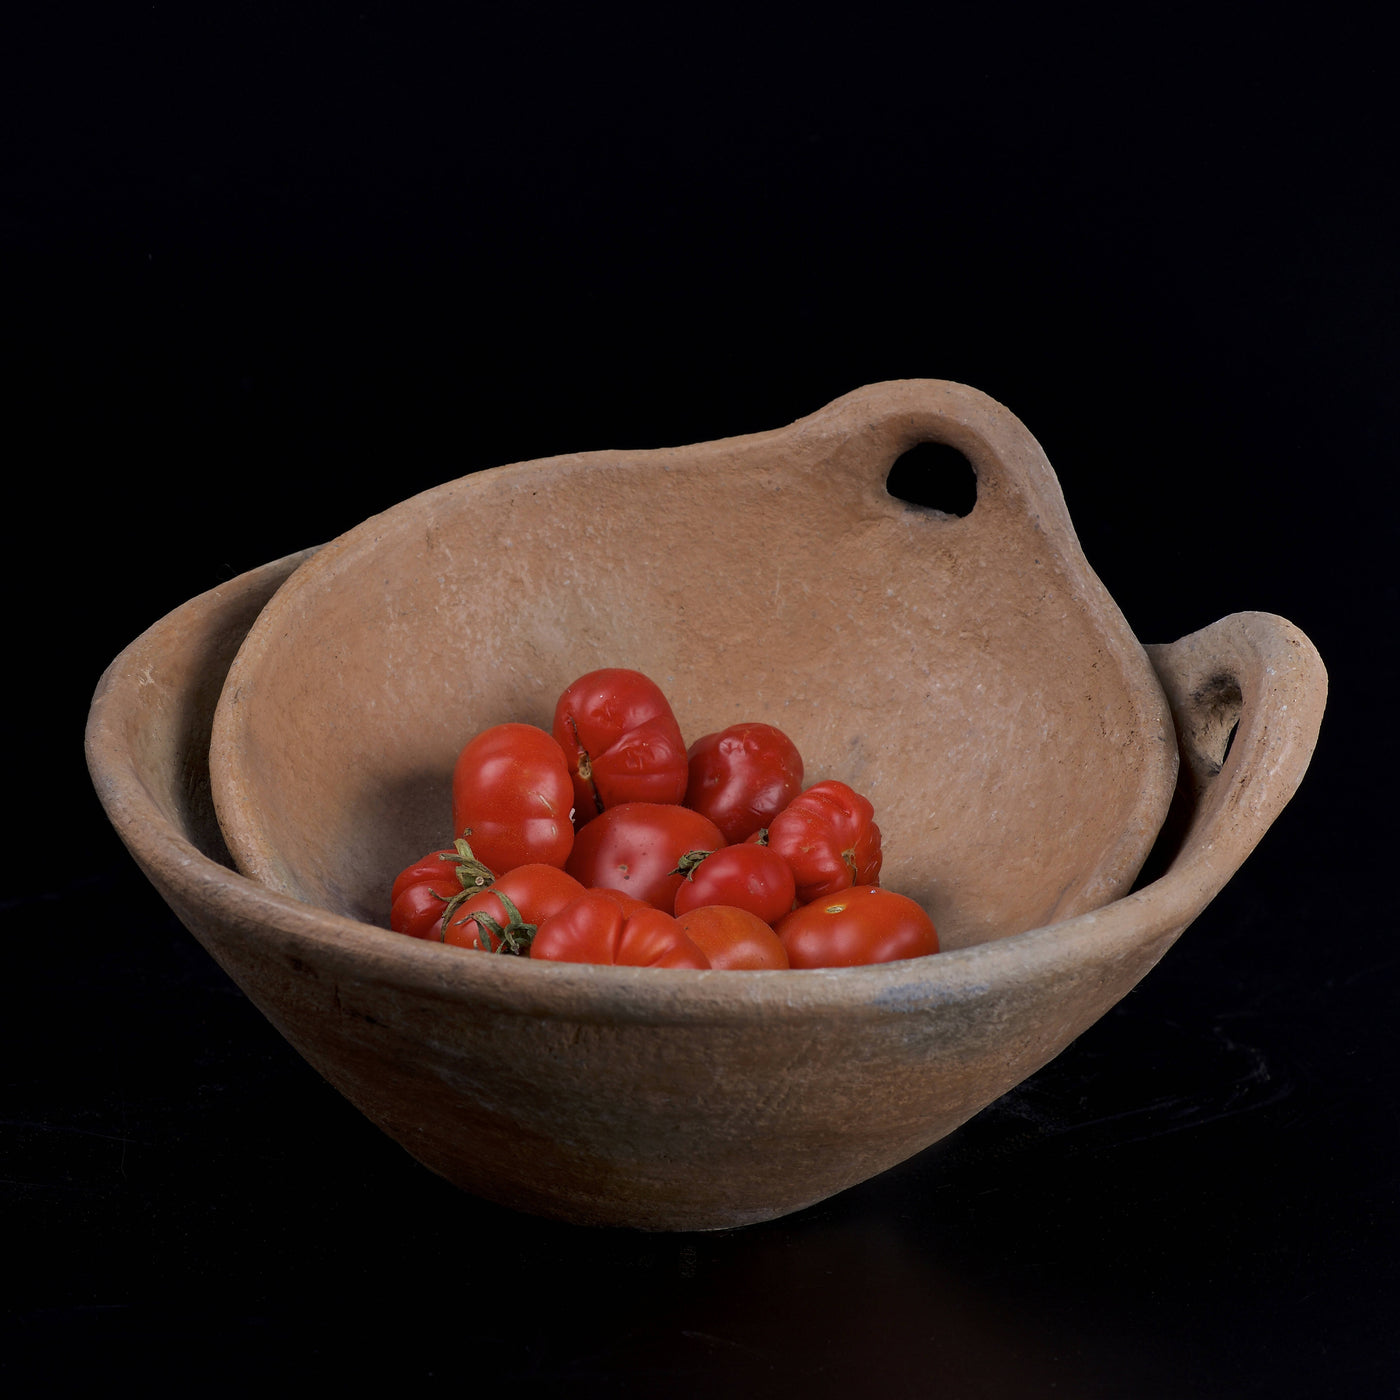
[829, 837]
[512, 796]
[749, 877]
[742, 777]
[733, 939]
[860, 925]
[595, 929]
[621, 742]
[637, 848]
[537, 891]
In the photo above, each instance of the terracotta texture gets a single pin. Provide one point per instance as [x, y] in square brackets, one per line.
[970, 676]
[678, 1100]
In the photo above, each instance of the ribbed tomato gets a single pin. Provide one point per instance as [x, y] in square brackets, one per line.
[595, 929]
[742, 777]
[829, 838]
[621, 740]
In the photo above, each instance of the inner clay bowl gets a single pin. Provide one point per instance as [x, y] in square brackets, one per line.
[970, 676]
[678, 1100]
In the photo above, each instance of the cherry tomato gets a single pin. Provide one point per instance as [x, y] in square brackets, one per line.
[512, 794]
[863, 924]
[750, 877]
[742, 777]
[422, 892]
[829, 838]
[733, 938]
[594, 929]
[637, 848]
[622, 741]
[534, 891]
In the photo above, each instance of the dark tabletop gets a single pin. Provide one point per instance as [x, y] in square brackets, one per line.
[265, 275]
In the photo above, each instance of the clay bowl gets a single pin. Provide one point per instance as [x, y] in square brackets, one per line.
[677, 1100]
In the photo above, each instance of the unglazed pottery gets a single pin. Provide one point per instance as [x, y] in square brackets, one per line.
[971, 675]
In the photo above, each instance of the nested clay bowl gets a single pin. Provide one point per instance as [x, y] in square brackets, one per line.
[970, 675]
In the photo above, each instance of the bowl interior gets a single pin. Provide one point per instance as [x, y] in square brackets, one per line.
[970, 675]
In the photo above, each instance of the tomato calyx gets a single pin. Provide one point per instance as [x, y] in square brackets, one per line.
[690, 862]
[515, 935]
[471, 874]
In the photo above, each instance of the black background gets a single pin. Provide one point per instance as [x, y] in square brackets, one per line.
[269, 269]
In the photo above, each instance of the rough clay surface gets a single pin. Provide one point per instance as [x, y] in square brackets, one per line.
[970, 676]
[702, 1100]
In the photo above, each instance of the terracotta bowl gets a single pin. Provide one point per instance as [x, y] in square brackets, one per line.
[970, 674]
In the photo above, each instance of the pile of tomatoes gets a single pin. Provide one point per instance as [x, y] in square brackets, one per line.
[608, 841]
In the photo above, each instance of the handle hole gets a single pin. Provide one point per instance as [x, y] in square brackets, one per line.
[935, 476]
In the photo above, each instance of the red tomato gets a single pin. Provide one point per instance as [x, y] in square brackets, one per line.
[423, 891]
[622, 741]
[511, 792]
[863, 924]
[535, 891]
[594, 929]
[742, 777]
[750, 877]
[829, 838]
[637, 848]
[733, 938]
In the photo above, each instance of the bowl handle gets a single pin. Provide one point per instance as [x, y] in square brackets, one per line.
[878, 423]
[1247, 695]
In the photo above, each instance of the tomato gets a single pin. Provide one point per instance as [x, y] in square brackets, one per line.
[622, 741]
[750, 877]
[733, 939]
[637, 848]
[422, 892]
[863, 924]
[742, 777]
[512, 794]
[829, 838]
[534, 891]
[594, 929]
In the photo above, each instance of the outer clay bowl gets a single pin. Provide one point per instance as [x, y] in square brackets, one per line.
[697, 1100]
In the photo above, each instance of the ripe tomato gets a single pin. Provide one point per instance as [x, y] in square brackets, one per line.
[742, 777]
[863, 924]
[622, 741]
[750, 877]
[637, 848]
[594, 929]
[534, 891]
[829, 838]
[422, 892]
[734, 938]
[511, 792]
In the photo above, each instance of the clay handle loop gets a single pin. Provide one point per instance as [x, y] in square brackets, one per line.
[1014, 478]
[1247, 694]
